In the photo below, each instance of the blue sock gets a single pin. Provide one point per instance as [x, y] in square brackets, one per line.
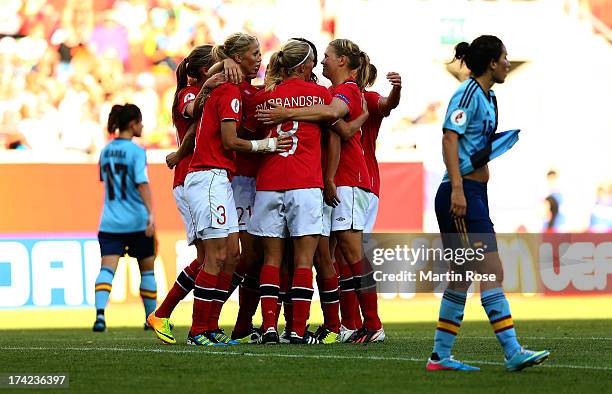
[449, 321]
[496, 306]
[104, 284]
[148, 291]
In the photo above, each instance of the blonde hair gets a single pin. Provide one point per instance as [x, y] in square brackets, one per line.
[357, 59]
[284, 62]
[235, 44]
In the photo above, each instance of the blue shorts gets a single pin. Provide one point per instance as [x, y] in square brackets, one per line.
[475, 230]
[136, 245]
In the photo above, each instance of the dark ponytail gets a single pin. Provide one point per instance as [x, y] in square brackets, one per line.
[478, 55]
[191, 66]
[121, 115]
[372, 76]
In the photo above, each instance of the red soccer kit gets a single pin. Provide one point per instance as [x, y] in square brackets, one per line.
[300, 167]
[186, 96]
[370, 128]
[223, 103]
[352, 169]
[247, 163]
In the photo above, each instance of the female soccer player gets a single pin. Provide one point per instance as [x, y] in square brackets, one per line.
[462, 205]
[127, 224]
[289, 199]
[378, 108]
[209, 193]
[194, 66]
[347, 181]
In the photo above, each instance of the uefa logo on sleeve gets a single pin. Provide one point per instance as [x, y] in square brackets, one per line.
[235, 105]
[458, 117]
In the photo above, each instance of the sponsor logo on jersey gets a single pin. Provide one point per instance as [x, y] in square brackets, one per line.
[458, 117]
[340, 219]
[235, 104]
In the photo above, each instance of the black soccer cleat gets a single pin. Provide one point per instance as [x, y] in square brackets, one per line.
[307, 339]
[270, 337]
[99, 325]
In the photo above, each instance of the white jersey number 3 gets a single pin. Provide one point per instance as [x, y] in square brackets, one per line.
[289, 133]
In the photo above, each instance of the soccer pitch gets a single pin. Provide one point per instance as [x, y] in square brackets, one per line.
[131, 360]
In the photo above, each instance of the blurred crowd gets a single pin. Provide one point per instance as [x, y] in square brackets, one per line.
[65, 62]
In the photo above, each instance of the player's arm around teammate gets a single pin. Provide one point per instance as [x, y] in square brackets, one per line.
[289, 203]
[209, 193]
[193, 69]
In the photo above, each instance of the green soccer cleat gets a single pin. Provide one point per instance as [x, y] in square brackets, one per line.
[526, 358]
[219, 336]
[253, 336]
[326, 336]
[162, 328]
[204, 340]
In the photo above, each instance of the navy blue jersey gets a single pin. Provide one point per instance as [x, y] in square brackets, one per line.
[123, 166]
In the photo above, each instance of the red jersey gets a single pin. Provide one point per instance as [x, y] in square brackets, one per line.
[224, 103]
[370, 128]
[186, 96]
[352, 169]
[247, 163]
[300, 167]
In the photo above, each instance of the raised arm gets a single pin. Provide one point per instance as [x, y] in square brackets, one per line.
[230, 69]
[319, 113]
[450, 151]
[194, 108]
[386, 104]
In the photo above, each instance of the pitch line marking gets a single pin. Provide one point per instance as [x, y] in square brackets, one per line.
[492, 337]
[405, 337]
[314, 356]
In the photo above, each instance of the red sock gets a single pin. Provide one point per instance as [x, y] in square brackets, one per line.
[348, 297]
[203, 295]
[193, 268]
[285, 299]
[330, 303]
[249, 299]
[366, 293]
[269, 288]
[182, 286]
[301, 295]
[224, 282]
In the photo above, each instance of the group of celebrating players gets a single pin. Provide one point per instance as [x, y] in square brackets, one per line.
[265, 177]
[272, 180]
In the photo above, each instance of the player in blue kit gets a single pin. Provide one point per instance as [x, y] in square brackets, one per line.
[461, 204]
[126, 226]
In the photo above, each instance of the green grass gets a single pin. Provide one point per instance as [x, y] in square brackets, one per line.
[130, 360]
